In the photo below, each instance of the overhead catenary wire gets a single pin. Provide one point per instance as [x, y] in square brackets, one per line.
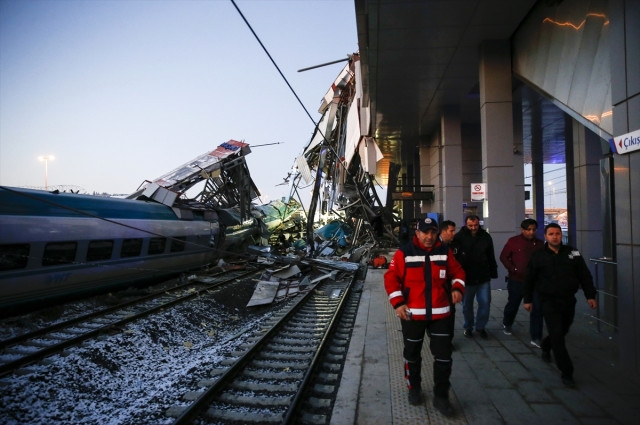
[273, 62]
[316, 124]
[325, 146]
[547, 172]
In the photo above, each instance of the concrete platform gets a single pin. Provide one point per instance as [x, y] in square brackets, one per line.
[500, 380]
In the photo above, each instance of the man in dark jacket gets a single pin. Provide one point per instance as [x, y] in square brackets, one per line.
[447, 232]
[557, 272]
[474, 251]
[422, 281]
[515, 257]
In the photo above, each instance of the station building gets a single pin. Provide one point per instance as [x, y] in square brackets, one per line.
[509, 109]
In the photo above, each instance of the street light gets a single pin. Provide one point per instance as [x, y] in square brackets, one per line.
[46, 159]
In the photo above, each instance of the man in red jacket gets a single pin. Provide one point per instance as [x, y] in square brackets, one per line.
[515, 257]
[418, 286]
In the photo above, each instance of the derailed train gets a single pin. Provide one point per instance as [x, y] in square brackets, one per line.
[56, 245]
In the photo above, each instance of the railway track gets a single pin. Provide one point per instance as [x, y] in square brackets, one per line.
[24, 349]
[289, 372]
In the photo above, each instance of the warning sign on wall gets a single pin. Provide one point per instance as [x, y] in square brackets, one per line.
[478, 191]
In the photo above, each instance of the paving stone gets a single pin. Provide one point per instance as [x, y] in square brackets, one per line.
[512, 407]
[502, 380]
[534, 392]
[554, 413]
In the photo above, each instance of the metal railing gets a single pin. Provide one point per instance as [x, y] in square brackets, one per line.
[605, 261]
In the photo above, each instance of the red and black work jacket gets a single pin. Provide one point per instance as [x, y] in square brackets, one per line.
[419, 277]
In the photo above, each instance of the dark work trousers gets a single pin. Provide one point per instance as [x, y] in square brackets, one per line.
[413, 332]
[535, 318]
[558, 315]
[513, 304]
[452, 321]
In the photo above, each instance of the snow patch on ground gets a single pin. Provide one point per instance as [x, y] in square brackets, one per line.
[134, 376]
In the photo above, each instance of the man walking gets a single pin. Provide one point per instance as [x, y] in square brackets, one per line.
[475, 253]
[417, 283]
[557, 272]
[515, 257]
[447, 232]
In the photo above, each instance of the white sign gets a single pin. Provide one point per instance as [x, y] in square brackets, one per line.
[626, 143]
[478, 191]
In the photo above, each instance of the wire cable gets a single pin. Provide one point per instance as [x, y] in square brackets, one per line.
[273, 62]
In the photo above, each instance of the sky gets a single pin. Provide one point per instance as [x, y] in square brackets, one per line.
[120, 92]
[555, 189]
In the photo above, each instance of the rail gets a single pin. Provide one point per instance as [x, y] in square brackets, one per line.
[605, 261]
[63, 335]
[313, 318]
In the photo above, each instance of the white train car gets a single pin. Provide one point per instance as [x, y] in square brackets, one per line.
[54, 245]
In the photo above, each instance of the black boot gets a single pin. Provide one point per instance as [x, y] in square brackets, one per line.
[415, 396]
[443, 405]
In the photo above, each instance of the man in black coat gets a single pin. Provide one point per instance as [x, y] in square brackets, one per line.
[474, 250]
[557, 272]
[447, 233]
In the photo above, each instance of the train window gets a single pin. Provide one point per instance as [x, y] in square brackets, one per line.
[14, 256]
[56, 253]
[156, 245]
[99, 250]
[131, 248]
[178, 243]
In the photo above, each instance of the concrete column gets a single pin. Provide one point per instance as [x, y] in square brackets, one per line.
[537, 168]
[586, 178]
[427, 164]
[518, 167]
[589, 222]
[451, 166]
[625, 95]
[496, 117]
[430, 163]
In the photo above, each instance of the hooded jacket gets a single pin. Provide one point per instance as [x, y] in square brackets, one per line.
[418, 277]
